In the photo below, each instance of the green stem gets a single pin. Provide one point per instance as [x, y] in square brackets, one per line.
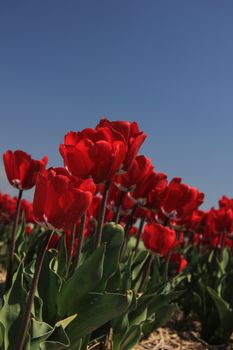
[146, 272]
[80, 244]
[118, 211]
[30, 300]
[72, 238]
[130, 221]
[102, 214]
[139, 233]
[166, 266]
[12, 243]
[127, 228]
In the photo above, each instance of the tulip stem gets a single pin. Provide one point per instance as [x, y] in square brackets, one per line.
[102, 214]
[80, 244]
[166, 266]
[127, 228]
[146, 272]
[139, 233]
[130, 221]
[27, 314]
[72, 238]
[118, 211]
[12, 243]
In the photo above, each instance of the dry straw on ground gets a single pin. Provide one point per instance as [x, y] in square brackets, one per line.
[179, 335]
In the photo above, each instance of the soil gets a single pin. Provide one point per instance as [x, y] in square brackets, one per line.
[179, 335]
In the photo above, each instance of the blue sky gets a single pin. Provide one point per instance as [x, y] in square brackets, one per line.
[168, 64]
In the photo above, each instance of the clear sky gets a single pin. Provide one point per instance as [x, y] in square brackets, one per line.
[168, 64]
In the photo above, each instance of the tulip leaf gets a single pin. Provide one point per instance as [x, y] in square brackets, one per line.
[225, 313]
[160, 317]
[85, 279]
[39, 332]
[131, 338]
[64, 323]
[138, 263]
[113, 236]
[62, 257]
[48, 287]
[57, 341]
[96, 310]
[13, 306]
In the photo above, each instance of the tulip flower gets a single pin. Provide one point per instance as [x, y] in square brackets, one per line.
[21, 169]
[131, 134]
[179, 260]
[158, 238]
[93, 153]
[136, 175]
[179, 200]
[60, 200]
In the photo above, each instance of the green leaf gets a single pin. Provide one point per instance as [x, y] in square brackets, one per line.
[225, 313]
[161, 300]
[62, 257]
[85, 279]
[131, 338]
[64, 323]
[57, 341]
[95, 311]
[126, 276]
[11, 312]
[120, 326]
[39, 332]
[48, 289]
[138, 263]
[162, 315]
[113, 236]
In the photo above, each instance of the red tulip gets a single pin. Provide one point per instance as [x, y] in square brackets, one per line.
[225, 202]
[179, 200]
[93, 153]
[21, 169]
[158, 238]
[179, 260]
[158, 183]
[60, 199]
[136, 175]
[7, 208]
[131, 134]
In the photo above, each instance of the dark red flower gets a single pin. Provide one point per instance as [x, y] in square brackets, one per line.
[179, 200]
[149, 192]
[21, 169]
[7, 208]
[196, 220]
[93, 153]
[60, 199]
[225, 202]
[158, 183]
[224, 220]
[136, 175]
[133, 231]
[132, 136]
[219, 221]
[158, 238]
[179, 260]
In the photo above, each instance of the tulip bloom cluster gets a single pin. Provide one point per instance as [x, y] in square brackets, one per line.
[109, 154]
[105, 179]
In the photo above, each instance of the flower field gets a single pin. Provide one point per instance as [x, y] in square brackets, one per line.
[110, 250]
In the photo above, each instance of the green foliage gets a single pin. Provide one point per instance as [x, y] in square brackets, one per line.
[210, 284]
[98, 299]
